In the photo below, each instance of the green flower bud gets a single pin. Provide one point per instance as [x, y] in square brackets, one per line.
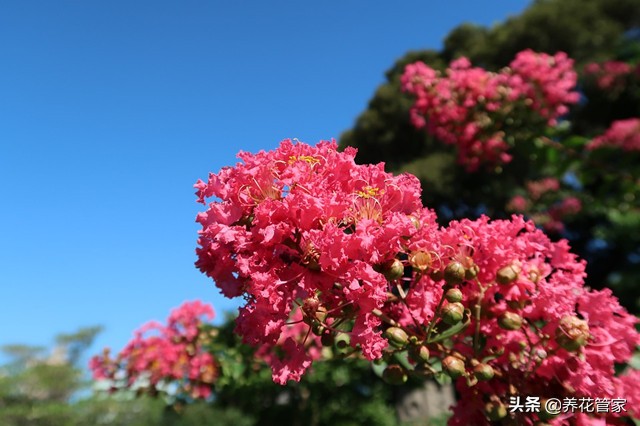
[394, 375]
[453, 295]
[507, 274]
[393, 269]
[419, 353]
[454, 273]
[452, 313]
[483, 371]
[472, 272]
[453, 366]
[396, 336]
[510, 321]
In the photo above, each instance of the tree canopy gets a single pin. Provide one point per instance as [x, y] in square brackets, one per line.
[594, 31]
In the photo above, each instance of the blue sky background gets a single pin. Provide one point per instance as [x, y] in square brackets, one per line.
[111, 110]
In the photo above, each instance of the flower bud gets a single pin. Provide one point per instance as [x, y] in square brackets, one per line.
[454, 273]
[472, 272]
[453, 295]
[453, 366]
[495, 410]
[394, 375]
[423, 371]
[396, 336]
[310, 305]
[419, 353]
[483, 371]
[452, 313]
[507, 274]
[572, 333]
[510, 321]
[420, 260]
[393, 269]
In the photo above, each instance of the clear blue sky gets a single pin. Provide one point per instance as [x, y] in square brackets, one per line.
[111, 110]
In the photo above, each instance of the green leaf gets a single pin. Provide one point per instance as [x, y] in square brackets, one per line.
[403, 359]
[454, 329]
[575, 141]
[442, 378]
[378, 367]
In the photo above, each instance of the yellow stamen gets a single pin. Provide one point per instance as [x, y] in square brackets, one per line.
[306, 158]
[368, 192]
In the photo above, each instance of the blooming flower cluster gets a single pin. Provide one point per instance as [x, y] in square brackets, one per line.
[348, 253]
[537, 330]
[611, 75]
[545, 204]
[303, 226]
[162, 355]
[474, 109]
[623, 134]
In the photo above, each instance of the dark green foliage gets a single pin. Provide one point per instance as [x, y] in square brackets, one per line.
[586, 30]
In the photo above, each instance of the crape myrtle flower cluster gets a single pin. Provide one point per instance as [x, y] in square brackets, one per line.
[622, 134]
[347, 252]
[167, 358]
[612, 75]
[546, 204]
[482, 112]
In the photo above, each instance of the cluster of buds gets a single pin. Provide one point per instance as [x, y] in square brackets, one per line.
[473, 109]
[494, 305]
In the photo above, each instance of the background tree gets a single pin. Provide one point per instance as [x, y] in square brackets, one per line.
[36, 387]
[603, 234]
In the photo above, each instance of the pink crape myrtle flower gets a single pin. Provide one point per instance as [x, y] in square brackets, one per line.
[622, 134]
[294, 352]
[473, 109]
[294, 222]
[545, 204]
[324, 250]
[162, 354]
[610, 74]
[542, 287]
